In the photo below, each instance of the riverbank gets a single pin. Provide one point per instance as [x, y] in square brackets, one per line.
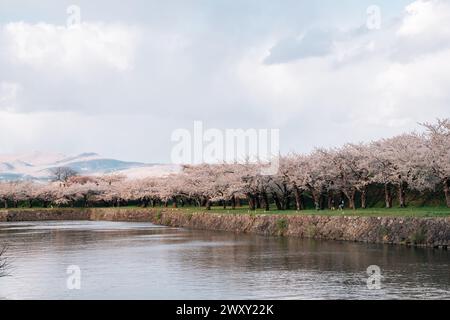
[414, 231]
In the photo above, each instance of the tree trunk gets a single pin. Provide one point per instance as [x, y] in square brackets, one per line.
[5, 204]
[401, 195]
[351, 198]
[258, 201]
[302, 201]
[238, 202]
[352, 201]
[287, 202]
[322, 201]
[364, 198]
[251, 201]
[174, 202]
[298, 198]
[316, 198]
[388, 195]
[447, 191]
[208, 204]
[277, 201]
[265, 200]
[224, 203]
[233, 202]
[286, 198]
[330, 199]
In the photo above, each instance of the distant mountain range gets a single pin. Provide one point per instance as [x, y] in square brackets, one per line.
[38, 166]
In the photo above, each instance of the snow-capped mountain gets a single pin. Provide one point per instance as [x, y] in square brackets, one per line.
[39, 165]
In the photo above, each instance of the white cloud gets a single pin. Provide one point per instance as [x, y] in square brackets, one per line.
[125, 137]
[9, 92]
[370, 84]
[122, 87]
[424, 29]
[74, 48]
[430, 17]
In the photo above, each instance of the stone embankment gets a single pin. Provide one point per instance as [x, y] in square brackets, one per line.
[427, 232]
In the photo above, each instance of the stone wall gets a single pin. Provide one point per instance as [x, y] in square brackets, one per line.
[430, 232]
[44, 214]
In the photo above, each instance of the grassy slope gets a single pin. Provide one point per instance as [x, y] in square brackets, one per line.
[378, 212]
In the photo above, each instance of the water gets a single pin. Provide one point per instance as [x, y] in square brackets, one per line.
[143, 261]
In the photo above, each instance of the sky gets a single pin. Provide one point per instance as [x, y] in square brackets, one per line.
[129, 74]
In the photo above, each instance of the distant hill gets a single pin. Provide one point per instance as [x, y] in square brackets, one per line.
[38, 166]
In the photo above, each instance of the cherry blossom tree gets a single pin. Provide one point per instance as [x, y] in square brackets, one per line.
[353, 172]
[400, 162]
[319, 176]
[5, 193]
[296, 166]
[411, 161]
[437, 156]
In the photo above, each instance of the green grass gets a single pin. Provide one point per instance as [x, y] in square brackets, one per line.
[377, 212]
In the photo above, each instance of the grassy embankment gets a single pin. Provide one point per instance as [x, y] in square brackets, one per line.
[378, 212]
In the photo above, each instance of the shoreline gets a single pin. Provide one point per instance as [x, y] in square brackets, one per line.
[433, 232]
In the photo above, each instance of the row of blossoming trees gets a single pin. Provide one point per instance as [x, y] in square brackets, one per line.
[411, 162]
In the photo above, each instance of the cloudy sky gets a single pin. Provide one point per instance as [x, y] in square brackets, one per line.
[132, 72]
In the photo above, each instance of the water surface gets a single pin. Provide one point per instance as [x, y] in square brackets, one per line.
[121, 260]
